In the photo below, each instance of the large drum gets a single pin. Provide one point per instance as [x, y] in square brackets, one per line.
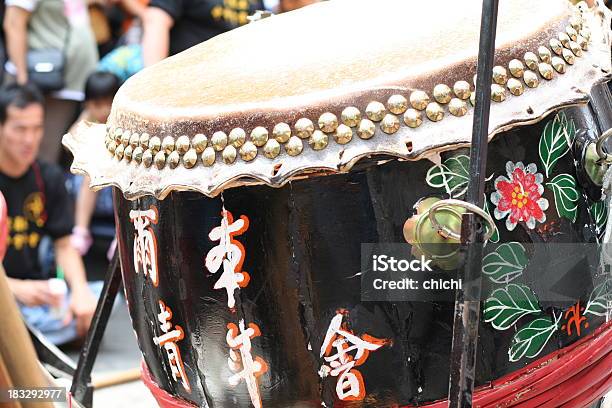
[254, 172]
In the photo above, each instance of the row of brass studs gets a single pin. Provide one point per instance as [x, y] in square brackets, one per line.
[142, 148]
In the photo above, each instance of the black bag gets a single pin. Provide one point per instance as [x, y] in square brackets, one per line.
[46, 68]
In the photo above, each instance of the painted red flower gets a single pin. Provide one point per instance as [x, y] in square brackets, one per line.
[519, 196]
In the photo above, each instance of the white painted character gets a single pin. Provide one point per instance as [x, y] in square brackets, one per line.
[230, 254]
[145, 243]
[241, 361]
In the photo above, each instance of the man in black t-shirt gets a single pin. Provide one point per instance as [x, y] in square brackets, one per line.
[171, 26]
[38, 205]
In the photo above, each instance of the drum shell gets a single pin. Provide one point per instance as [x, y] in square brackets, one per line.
[302, 252]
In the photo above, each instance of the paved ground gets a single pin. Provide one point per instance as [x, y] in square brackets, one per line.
[119, 353]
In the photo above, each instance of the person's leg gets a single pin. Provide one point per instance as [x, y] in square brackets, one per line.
[59, 114]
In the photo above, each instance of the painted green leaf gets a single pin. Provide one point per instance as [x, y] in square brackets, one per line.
[599, 213]
[566, 196]
[452, 175]
[554, 143]
[570, 128]
[531, 338]
[507, 305]
[495, 237]
[600, 301]
[506, 263]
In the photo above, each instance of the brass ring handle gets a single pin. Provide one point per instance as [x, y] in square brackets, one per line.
[603, 156]
[450, 234]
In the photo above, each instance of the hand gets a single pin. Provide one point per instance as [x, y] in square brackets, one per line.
[34, 292]
[83, 305]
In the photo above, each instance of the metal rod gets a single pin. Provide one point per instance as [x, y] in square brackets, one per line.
[81, 383]
[467, 303]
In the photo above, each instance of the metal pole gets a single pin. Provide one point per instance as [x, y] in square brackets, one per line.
[81, 384]
[467, 303]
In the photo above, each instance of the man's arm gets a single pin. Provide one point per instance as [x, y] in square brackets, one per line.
[16, 32]
[82, 302]
[156, 35]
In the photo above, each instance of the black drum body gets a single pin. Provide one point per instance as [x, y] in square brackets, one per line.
[254, 298]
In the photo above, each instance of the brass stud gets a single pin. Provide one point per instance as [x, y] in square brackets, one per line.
[558, 64]
[147, 158]
[182, 144]
[319, 140]
[500, 75]
[304, 128]
[434, 112]
[271, 149]
[576, 49]
[229, 154]
[125, 137]
[259, 136]
[556, 46]
[545, 70]
[531, 60]
[531, 79]
[351, 116]
[586, 33]
[583, 43]
[366, 129]
[144, 140]
[573, 34]
[111, 146]
[517, 69]
[119, 151]
[544, 54]
[168, 144]
[569, 56]
[473, 98]
[155, 144]
[375, 111]
[457, 107]
[397, 104]
[442, 93]
[498, 93]
[174, 159]
[343, 134]
[199, 143]
[248, 151]
[391, 124]
[160, 160]
[134, 140]
[413, 118]
[118, 134]
[237, 137]
[208, 156]
[515, 87]
[294, 146]
[565, 39]
[127, 153]
[328, 122]
[218, 141]
[575, 22]
[190, 158]
[419, 100]
[462, 89]
[281, 132]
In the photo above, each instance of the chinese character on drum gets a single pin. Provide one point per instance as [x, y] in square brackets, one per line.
[229, 253]
[241, 360]
[350, 385]
[168, 341]
[145, 244]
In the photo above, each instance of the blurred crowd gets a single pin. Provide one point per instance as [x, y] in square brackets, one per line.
[61, 62]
